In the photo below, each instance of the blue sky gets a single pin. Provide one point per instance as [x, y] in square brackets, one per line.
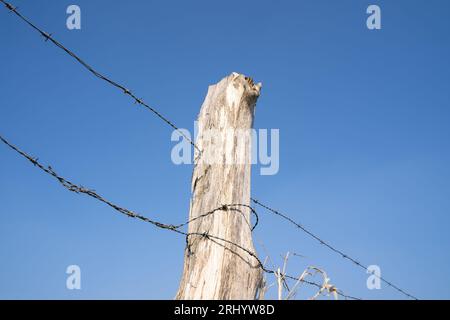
[364, 139]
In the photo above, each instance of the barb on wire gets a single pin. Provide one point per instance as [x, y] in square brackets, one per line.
[225, 208]
[174, 228]
[48, 36]
[80, 189]
[329, 246]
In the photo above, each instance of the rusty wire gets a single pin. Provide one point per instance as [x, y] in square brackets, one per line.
[174, 228]
[48, 37]
[80, 189]
[329, 246]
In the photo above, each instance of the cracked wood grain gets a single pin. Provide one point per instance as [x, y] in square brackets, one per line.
[211, 271]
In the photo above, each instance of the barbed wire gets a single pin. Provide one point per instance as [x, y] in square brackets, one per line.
[329, 246]
[79, 189]
[91, 193]
[224, 208]
[48, 36]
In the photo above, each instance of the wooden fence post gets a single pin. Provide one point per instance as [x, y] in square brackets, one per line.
[222, 177]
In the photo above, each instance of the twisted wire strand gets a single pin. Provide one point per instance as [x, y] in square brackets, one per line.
[330, 247]
[174, 228]
[80, 189]
[48, 37]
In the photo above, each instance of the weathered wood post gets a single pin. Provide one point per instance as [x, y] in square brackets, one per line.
[222, 176]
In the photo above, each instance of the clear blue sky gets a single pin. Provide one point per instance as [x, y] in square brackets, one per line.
[364, 139]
